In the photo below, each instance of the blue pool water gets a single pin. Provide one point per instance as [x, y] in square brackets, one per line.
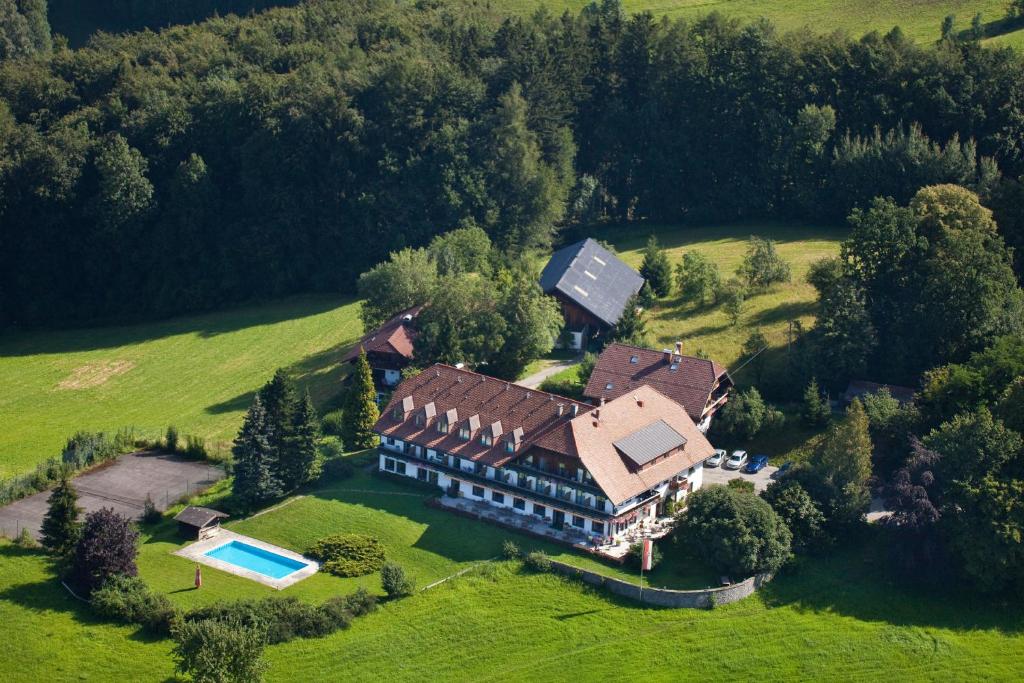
[256, 559]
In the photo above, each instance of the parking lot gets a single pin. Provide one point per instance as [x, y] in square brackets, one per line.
[720, 475]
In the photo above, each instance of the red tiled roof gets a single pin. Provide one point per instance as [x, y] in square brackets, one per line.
[689, 384]
[394, 336]
[488, 399]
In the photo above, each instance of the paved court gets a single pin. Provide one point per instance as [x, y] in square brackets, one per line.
[720, 475]
[122, 485]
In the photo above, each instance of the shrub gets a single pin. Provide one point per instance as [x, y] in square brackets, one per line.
[330, 423]
[171, 439]
[150, 515]
[337, 469]
[349, 554]
[635, 553]
[195, 447]
[129, 599]
[360, 602]
[538, 561]
[212, 651]
[25, 540]
[510, 550]
[337, 613]
[394, 581]
[740, 484]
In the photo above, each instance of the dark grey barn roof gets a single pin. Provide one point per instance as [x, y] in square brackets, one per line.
[197, 516]
[647, 443]
[593, 278]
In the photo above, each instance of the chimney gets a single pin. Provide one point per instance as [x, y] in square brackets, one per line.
[639, 401]
[597, 414]
[668, 356]
[602, 401]
[679, 348]
[575, 409]
[561, 409]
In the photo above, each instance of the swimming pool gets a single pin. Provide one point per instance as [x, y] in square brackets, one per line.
[256, 559]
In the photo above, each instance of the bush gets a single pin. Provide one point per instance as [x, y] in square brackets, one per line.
[538, 561]
[349, 554]
[740, 484]
[360, 602]
[129, 599]
[635, 553]
[337, 469]
[337, 613]
[25, 540]
[394, 581]
[150, 515]
[195, 447]
[107, 546]
[171, 439]
[510, 550]
[212, 651]
[330, 423]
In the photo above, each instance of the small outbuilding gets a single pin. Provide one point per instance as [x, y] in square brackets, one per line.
[199, 522]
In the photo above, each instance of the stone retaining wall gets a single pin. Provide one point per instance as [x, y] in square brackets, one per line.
[664, 597]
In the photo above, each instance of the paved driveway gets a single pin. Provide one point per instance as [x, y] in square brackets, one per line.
[720, 475]
[122, 485]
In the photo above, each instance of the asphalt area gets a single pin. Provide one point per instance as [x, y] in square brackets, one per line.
[122, 485]
[720, 475]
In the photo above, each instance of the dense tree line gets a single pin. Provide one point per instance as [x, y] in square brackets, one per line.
[149, 174]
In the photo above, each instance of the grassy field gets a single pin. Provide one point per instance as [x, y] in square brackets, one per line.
[196, 372]
[838, 617]
[919, 19]
[708, 328]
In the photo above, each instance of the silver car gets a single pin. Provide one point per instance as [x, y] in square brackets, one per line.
[716, 459]
[737, 460]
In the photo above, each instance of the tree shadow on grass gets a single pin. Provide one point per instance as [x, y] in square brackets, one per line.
[118, 333]
[856, 582]
[790, 310]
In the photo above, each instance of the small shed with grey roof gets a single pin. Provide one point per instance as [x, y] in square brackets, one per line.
[199, 522]
[649, 443]
[592, 284]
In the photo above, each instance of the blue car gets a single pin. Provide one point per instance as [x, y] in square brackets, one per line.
[779, 473]
[756, 464]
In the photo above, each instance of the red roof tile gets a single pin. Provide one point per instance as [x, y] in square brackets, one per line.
[395, 336]
[689, 384]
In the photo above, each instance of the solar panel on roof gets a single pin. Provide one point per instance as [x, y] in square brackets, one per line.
[650, 442]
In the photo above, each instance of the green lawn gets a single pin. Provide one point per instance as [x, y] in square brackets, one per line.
[197, 372]
[708, 328]
[838, 617]
[919, 19]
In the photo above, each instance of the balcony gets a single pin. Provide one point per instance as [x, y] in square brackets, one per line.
[568, 501]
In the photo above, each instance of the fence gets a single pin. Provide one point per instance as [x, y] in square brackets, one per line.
[664, 597]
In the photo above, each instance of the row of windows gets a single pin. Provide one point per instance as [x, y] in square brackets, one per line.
[538, 509]
[465, 434]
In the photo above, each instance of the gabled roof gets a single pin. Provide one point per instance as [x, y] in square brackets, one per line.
[483, 404]
[197, 516]
[629, 419]
[593, 278]
[688, 380]
[393, 337]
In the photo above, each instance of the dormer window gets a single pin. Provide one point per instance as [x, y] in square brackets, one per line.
[608, 386]
[397, 413]
[485, 439]
[420, 419]
[510, 446]
[464, 433]
[634, 360]
[442, 426]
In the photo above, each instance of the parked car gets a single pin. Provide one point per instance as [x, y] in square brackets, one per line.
[779, 473]
[736, 460]
[716, 459]
[756, 464]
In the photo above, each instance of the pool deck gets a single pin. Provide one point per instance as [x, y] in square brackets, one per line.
[197, 553]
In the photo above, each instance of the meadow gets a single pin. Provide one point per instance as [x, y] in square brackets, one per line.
[918, 19]
[196, 372]
[837, 617]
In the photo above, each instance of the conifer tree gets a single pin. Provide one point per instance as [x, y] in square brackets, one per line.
[360, 411]
[255, 479]
[299, 460]
[815, 410]
[631, 327]
[60, 525]
[279, 402]
[656, 268]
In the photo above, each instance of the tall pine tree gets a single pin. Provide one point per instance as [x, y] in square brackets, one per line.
[298, 459]
[255, 479]
[279, 401]
[360, 411]
[656, 268]
[60, 525]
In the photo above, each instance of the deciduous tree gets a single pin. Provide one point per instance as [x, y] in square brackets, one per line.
[107, 546]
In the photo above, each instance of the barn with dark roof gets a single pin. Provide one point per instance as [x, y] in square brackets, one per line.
[592, 284]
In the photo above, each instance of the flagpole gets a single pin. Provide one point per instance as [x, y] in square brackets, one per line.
[641, 573]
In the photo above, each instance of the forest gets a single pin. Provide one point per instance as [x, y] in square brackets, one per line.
[150, 174]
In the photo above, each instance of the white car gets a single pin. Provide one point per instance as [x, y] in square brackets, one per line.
[736, 460]
[716, 459]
